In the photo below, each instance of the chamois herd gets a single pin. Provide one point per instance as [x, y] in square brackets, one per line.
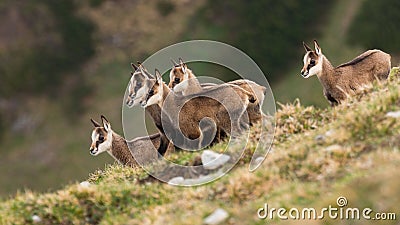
[192, 115]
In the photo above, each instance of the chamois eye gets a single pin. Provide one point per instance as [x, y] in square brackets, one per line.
[177, 79]
[312, 62]
[101, 138]
[151, 92]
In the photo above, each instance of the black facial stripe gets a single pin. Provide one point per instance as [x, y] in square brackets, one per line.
[147, 96]
[309, 67]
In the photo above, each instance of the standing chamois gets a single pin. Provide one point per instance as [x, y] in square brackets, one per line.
[141, 150]
[194, 108]
[183, 80]
[136, 92]
[346, 79]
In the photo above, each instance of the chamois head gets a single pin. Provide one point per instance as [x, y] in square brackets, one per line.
[312, 61]
[136, 84]
[178, 74]
[101, 137]
[154, 94]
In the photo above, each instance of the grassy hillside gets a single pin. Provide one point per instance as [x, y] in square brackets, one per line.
[50, 144]
[351, 150]
[47, 137]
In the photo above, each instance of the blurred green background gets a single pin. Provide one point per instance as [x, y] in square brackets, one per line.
[63, 62]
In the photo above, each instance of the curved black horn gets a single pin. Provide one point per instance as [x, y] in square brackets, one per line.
[95, 124]
[134, 66]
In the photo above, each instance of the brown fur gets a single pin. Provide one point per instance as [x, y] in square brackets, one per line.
[141, 150]
[199, 107]
[254, 109]
[346, 79]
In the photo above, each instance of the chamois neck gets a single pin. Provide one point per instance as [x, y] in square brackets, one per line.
[327, 68]
[326, 76]
[120, 150]
[190, 74]
[166, 92]
[193, 87]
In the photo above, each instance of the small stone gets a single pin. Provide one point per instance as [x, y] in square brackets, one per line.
[36, 219]
[393, 114]
[329, 133]
[333, 148]
[217, 217]
[212, 160]
[259, 160]
[176, 180]
[85, 184]
[320, 138]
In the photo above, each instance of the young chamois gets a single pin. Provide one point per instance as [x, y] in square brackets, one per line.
[224, 105]
[140, 150]
[183, 80]
[346, 79]
[136, 92]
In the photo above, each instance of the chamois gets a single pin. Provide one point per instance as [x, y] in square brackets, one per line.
[136, 92]
[104, 139]
[194, 108]
[183, 80]
[340, 82]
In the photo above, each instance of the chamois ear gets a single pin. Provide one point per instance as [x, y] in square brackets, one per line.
[95, 124]
[106, 124]
[144, 71]
[174, 63]
[181, 62]
[182, 65]
[158, 76]
[149, 75]
[306, 47]
[134, 67]
[317, 48]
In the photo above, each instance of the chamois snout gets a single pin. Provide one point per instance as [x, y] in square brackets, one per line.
[252, 99]
[143, 103]
[93, 151]
[304, 73]
[129, 102]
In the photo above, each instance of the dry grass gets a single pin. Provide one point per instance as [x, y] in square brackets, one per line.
[318, 155]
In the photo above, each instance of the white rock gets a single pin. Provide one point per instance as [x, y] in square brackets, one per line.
[333, 148]
[212, 160]
[320, 138]
[259, 160]
[176, 180]
[217, 217]
[393, 114]
[36, 219]
[85, 184]
[329, 133]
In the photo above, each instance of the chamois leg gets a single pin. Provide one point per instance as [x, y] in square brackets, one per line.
[164, 142]
[208, 130]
